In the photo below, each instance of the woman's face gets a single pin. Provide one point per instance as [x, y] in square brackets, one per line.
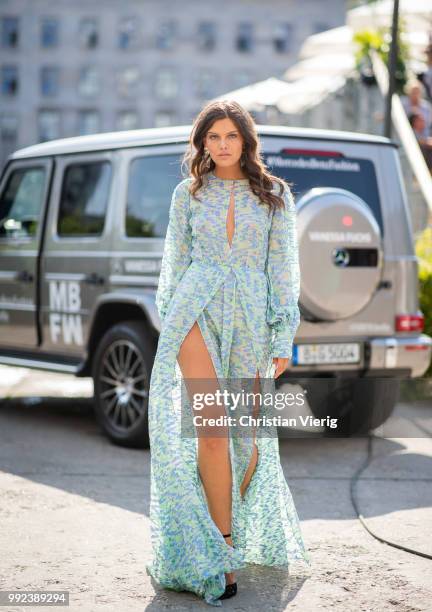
[224, 142]
[419, 123]
[415, 94]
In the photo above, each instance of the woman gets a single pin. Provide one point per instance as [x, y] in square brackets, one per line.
[227, 298]
[414, 103]
[417, 123]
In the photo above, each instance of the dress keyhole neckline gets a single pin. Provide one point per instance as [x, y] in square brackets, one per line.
[231, 194]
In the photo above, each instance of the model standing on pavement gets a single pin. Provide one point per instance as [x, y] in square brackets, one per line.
[228, 301]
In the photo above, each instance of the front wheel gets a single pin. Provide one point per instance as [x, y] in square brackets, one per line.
[121, 374]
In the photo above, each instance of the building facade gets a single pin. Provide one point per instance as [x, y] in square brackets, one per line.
[71, 68]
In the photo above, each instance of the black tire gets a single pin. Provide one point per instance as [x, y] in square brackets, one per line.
[360, 404]
[121, 373]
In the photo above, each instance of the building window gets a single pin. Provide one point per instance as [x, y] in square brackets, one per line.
[166, 34]
[166, 83]
[10, 32]
[128, 33]
[205, 83]
[49, 125]
[9, 127]
[127, 120]
[88, 33]
[127, 81]
[84, 199]
[49, 80]
[9, 78]
[164, 118]
[88, 122]
[283, 35]
[206, 35]
[89, 81]
[244, 40]
[49, 34]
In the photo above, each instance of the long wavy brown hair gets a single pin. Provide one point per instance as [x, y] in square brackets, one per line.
[199, 163]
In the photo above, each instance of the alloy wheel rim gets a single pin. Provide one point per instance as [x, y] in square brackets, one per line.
[123, 385]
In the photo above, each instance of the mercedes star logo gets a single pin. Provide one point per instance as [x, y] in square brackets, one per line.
[341, 257]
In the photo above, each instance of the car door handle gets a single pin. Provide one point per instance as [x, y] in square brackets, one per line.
[94, 279]
[24, 276]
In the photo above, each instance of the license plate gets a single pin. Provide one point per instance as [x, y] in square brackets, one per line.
[326, 353]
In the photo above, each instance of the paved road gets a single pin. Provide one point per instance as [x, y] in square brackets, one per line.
[74, 512]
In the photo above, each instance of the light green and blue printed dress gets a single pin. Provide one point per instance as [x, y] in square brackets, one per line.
[244, 297]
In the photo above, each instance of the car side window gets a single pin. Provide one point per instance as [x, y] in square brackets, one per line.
[152, 180]
[84, 199]
[21, 202]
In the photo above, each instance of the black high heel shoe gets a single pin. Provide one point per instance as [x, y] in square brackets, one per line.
[230, 589]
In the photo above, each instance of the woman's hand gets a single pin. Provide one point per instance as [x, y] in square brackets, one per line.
[281, 364]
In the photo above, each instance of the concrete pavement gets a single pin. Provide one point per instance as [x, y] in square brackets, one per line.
[74, 512]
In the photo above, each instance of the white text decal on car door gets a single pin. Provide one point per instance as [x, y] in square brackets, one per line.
[65, 297]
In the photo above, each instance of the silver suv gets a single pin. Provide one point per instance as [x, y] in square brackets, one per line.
[82, 226]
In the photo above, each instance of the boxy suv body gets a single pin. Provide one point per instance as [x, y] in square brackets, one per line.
[82, 226]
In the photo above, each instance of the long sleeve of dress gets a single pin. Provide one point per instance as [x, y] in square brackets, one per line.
[283, 276]
[177, 250]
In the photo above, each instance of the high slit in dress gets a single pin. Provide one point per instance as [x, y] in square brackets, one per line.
[244, 297]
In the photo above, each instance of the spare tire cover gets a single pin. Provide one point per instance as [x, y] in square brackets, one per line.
[340, 247]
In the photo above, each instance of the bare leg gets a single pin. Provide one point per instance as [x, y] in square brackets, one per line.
[213, 452]
[254, 459]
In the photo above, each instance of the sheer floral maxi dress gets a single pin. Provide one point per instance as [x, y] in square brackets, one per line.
[244, 297]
